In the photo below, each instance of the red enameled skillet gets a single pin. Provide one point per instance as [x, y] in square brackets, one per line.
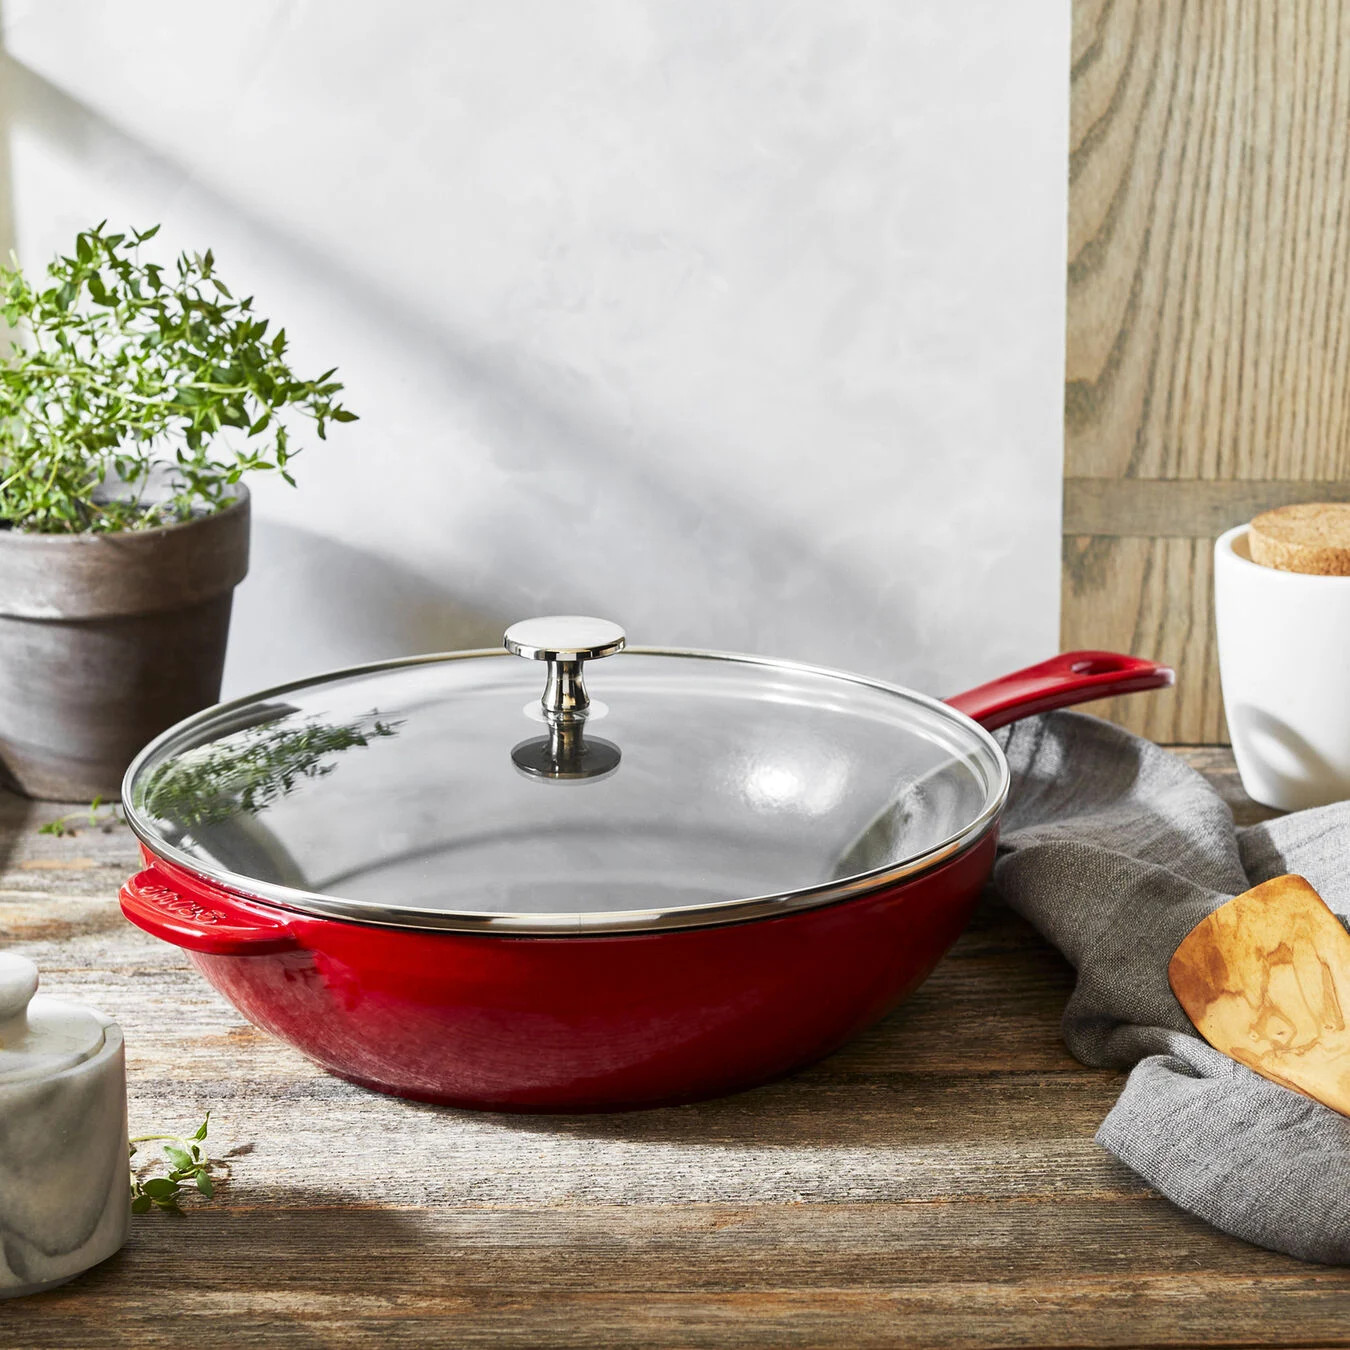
[439, 885]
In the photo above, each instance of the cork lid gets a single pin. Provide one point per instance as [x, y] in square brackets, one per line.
[40, 1036]
[1310, 537]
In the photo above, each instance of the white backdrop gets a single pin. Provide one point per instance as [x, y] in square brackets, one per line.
[740, 324]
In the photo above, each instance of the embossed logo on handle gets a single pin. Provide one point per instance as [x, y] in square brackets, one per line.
[174, 914]
[178, 905]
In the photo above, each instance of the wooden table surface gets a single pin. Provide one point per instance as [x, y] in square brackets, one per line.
[933, 1184]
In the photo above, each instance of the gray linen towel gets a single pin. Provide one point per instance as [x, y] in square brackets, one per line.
[1115, 849]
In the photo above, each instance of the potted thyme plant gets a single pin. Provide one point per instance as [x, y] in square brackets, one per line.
[134, 400]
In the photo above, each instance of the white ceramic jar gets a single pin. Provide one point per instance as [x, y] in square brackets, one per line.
[1284, 659]
[64, 1196]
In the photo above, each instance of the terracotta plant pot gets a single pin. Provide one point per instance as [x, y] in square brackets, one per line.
[106, 640]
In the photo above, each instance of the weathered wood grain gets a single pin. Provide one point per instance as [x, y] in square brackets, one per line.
[1180, 508]
[910, 1275]
[933, 1184]
[1208, 327]
[1209, 266]
[1150, 597]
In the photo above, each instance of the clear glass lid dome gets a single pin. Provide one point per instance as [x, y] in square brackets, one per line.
[681, 788]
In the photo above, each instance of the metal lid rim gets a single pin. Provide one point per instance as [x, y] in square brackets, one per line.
[596, 923]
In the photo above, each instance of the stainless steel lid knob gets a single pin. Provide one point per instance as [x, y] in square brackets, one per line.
[566, 642]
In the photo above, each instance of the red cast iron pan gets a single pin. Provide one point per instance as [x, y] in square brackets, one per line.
[436, 885]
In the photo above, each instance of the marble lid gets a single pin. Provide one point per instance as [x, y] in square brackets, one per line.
[41, 1036]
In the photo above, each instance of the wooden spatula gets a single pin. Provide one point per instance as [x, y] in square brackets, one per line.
[1266, 979]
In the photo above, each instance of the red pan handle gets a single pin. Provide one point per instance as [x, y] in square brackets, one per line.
[1072, 677]
[201, 921]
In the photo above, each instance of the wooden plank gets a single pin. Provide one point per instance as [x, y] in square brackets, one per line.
[617, 1248]
[1190, 508]
[905, 1275]
[1149, 597]
[1208, 292]
[1209, 265]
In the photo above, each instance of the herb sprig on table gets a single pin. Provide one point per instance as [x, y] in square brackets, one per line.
[125, 365]
[98, 815]
[187, 1165]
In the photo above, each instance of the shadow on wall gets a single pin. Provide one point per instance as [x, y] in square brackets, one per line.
[1291, 770]
[640, 541]
[402, 613]
[8, 243]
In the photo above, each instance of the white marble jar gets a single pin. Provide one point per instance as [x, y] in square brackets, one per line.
[64, 1196]
[1284, 659]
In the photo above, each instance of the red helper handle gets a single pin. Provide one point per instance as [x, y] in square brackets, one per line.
[1072, 677]
[199, 920]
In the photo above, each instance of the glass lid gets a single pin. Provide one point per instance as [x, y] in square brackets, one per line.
[681, 788]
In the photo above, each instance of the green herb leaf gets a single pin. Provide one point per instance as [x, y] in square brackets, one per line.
[178, 1156]
[97, 815]
[187, 1162]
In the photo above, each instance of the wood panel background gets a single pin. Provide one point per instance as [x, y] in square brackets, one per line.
[1208, 369]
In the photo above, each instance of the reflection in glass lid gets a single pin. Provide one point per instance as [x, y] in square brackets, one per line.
[443, 792]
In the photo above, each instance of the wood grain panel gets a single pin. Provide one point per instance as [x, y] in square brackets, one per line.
[1209, 240]
[1208, 364]
[1190, 508]
[709, 1276]
[1150, 596]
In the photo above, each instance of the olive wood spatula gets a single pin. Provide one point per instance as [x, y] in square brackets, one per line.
[1266, 979]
